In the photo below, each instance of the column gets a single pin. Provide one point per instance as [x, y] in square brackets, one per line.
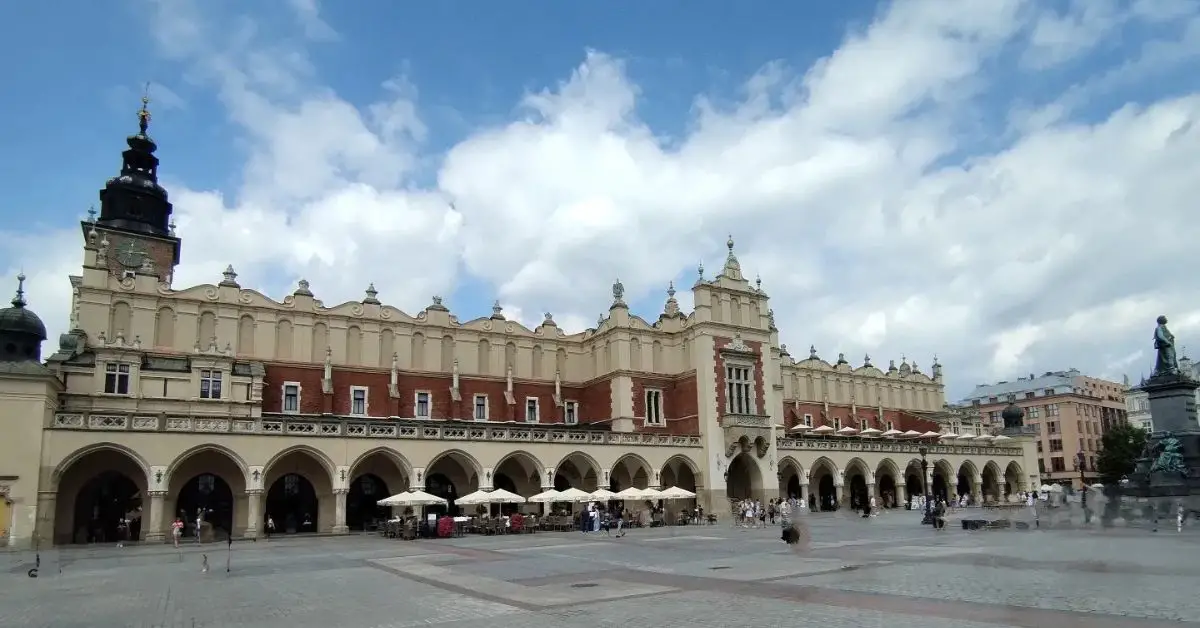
[872, 495]
[804, 493]
[901, 495]
[1002, 487]
[154, 527]
[339, 514]
[254, 516]
[977, 490]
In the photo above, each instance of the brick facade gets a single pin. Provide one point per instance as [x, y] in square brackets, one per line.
[680, 405]
[794, 412]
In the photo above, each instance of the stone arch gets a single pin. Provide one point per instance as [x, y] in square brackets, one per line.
[990, 482]
[164, 328]
[791, 477]
[965, 478]
[577, 470]
[914, 480]
[824, 485]
[632, 470]
[299, 490]
[887, 483]
[857, 477]
[522, 470]
[743, 478]
[376, 473]
[450, 475]
[1014, 478]
[245, 335]
[680, 470]
[120, 319]
[211, 479]
[943, 480]
[95, 487]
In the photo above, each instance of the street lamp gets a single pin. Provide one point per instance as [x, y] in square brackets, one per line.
[925, 485]
[1081, 465]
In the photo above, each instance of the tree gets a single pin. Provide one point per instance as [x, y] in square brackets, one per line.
[1120, 449]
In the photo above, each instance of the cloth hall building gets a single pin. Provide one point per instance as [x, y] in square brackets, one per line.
[165, 399]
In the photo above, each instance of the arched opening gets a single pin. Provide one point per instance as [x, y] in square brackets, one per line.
[630, 470]
[679, 471]
[825, 497]
[886, 486]
[990, 483]
[789, 479]
[743, 479]
[210, 483]
[963, 481]
[859, 498]
[209, 498]
[388, 475]
[519, 473]
[1014, 479]
[452, 475]
[362, 511]
[577, 470]
[292, 503]
[940, 490]
[95, 492]
[300, 493]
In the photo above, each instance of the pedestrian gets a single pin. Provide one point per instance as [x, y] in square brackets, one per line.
[204, 563]
[176, 531]
[270, 526]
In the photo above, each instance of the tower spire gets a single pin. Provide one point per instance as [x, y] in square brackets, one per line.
[19, 299]
[144, 113]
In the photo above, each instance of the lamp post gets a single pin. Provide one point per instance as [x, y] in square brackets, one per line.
[928, 518]
[1081, 465]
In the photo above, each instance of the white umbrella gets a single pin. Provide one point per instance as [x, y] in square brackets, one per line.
[847, 431]
[800, 428]
[545, 496]
[949, 436]
[651, 493]
[966, 437]
[824, 429]
[911, 434]
[631, 493]
[674, 492]
[891, 433]
[412, 498]
[930, 435]
[572, 495]
[1001, 437]
[603, 495]
[983, 437]
[870, 431]
[497, 496]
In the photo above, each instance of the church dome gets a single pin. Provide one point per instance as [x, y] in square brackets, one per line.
[21, 331]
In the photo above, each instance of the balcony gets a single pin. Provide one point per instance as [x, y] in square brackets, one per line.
[746, 433]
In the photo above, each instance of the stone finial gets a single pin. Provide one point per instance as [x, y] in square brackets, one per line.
[230, 277]
[437, 304]
[372, 294]
[812, 352]
[700, 270]
[302, 289]
[549, 320]
[729, 244]
[733, 268]
[783, 349]
[672, 306]
[867, 360]
[758, 282]
[891, 365]
[92, 214]
[171, 227]
[842, 359]
[771, 320]
[19, 299]
[497, 311]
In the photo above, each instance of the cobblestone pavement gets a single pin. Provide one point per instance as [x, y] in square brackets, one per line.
[888, 571]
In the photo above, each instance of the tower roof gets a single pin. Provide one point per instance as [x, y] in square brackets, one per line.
[19, 319]
[133, 200]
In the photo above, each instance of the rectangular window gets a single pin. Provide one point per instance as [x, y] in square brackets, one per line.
[291, 397]
[1041, 466]
[1039, 446]
[1056, 445]
[808, 420]
[481, 407]
[1052, 409]
[654, 407]
[1029, 395]
[421, 405]
[358, 400]
[531, 410]
[116, 378]
[837, 423]
[739, 387]
[210, 384]
[891, 425]
[571, 412]
[1057, 465]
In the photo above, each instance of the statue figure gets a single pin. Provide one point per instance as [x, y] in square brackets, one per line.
[1168, 457]
[1164, 343]
[618, 291]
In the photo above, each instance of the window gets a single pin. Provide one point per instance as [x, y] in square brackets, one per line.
[210, 384]
[481, 407]
[1052, 427]
[1052, 409]
[738, 390]
[358, 400]
[654, 407]
[1057, 465]
[1035, 412]
[1029, 395]
[1055, 444]
[1048, 392]
[1041, 466]
[116, 378]
[571, 412]
[1039, 446]
[837, 423]
[808, 420]
[291, 397]
[891, 425]
[531, 410]
[421, 405]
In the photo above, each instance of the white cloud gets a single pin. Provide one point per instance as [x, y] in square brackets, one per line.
[853, 198]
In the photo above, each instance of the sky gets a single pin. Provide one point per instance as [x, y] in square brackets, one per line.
[1008, 184]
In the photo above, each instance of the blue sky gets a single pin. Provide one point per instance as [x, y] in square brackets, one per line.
[908, 179]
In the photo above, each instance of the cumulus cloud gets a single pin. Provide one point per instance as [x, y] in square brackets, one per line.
[876, 222]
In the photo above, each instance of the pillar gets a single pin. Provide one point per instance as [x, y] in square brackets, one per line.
[901, 495]
[977, 490]
[43, 533]
[804, 493]
[254, 515]
[339, 512]
[154, 527]
[871, 494]
[1002, 486]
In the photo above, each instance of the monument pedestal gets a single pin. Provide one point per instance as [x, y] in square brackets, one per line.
[1171, 468]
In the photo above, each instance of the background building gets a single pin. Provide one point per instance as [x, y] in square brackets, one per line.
[1072, 412]
[166, 400]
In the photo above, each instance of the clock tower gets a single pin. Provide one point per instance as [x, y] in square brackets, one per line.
[135, 228]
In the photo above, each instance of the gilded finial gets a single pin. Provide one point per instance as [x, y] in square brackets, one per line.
[144, 112]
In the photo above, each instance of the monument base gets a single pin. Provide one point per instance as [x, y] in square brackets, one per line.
[1171, 466]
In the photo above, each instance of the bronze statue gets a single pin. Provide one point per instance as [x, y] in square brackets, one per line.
[1164, 343]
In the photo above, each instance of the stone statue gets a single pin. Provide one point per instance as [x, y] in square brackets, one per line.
[618, 291]
[1164, 343]
[1168, 457]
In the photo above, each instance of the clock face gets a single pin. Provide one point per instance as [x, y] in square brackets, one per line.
[131, 254]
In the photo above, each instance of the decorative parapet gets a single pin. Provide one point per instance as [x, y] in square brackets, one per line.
[375, 428]
[884, 446]
[746, 420]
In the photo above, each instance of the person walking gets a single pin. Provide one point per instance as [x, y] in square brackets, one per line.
[177, 531]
